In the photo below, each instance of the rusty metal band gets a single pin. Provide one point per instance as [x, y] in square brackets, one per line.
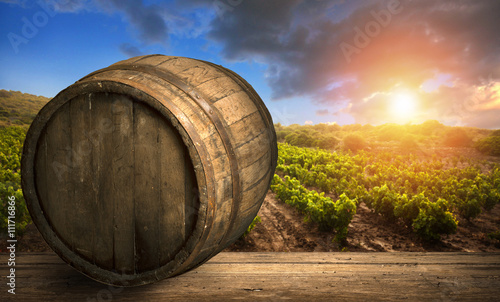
[256, 100]
[213, 116]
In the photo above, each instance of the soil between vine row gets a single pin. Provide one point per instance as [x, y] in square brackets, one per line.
[284, 229]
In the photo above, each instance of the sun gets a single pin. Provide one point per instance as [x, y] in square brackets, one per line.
[403, 105]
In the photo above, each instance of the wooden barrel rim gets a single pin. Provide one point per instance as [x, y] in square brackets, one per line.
[203, 171]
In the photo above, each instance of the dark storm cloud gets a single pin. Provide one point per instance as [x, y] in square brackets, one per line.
[301, 39]
[462, 36]
[338, 52]
[289, 35]
[147, 20]
[301, 43]
[130, 50]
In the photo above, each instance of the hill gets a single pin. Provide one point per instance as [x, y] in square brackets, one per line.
[424, 139]
[19, 109]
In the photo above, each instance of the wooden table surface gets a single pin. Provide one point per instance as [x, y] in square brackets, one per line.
[276, 277]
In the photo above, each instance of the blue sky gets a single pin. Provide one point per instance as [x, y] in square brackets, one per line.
[311, 61]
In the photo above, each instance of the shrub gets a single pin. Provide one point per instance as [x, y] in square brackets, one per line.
[469, 208]
[433, 220]
[345, 210]
[494, 235]
[489, 145]
[456, 137]
[495, 133]
[408, 208]
[430, 127]
[391, 132]
[327, 142]
[383, 201]
[354, 142]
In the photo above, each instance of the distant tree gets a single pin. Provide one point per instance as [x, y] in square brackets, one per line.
[352, 127]
[391, 132]
[321, 127]
[495, 133]
[456, 137]
[280, 135]
[367, 127]
[302, 138]
[354, 142]
[328, 141]
[334, 127]
[489, 145]
[430, 127]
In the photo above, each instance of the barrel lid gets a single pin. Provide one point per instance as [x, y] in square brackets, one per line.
[94, 207]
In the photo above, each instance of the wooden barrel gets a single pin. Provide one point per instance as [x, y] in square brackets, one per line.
[148, 168]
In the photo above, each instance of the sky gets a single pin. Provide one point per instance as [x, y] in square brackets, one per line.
[311, 61]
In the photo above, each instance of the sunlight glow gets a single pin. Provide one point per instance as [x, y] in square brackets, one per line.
[403, 105]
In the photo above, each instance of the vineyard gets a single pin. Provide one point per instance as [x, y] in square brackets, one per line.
[11, 143]
[421, 195]
[429, 196]
[375, 169]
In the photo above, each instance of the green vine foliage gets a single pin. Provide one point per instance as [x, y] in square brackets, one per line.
[329, 215]
[434, 219]
[252, 225]
[11, 142]
[420, 194]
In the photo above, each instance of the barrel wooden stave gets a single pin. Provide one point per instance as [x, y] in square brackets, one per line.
[225, 146]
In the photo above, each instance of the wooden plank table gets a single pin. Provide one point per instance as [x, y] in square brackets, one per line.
[276, 277]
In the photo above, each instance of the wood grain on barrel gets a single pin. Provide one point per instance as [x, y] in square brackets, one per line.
[146, 187]
[53, 156]
[102, 159]
[81, 176]
[163, 161]
[123, 189]
[243, 127]
[111, 203]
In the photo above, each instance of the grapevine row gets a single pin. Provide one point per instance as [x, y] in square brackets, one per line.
[422, 194]
[318, 208]
[11, 144]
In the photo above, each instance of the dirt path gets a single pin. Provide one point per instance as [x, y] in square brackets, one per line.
[283, 230]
